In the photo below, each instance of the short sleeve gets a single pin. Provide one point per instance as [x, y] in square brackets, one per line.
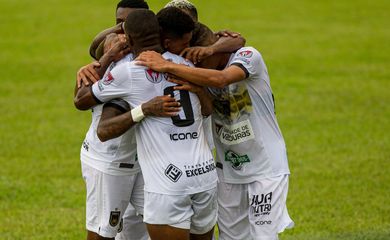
[119, 104]
[114, 84]
[248, 59]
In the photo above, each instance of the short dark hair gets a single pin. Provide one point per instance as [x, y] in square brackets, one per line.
[132, 4]
[174, 22]
[142, 25]
[202, 36]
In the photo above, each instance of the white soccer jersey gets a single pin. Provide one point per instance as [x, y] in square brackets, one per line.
[247, 137]
[116, 156]
[173, 152]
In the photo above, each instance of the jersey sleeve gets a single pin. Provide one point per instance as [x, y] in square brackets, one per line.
[248, 59]
[114, 84]
[119, 104]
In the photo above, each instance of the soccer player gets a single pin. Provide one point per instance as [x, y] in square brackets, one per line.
[178, 168]
[123, 8]
[251, 154]
[110, 169]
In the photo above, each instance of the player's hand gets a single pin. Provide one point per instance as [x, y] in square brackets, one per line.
[152, 60]
[87, 74]
[227, 33]
[116, 46]
[197, 54]
[161, 106]
[184, 85]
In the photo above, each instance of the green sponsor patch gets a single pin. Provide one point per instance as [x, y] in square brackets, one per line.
[235, 159]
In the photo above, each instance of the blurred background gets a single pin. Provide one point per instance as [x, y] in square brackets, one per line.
[329, 64]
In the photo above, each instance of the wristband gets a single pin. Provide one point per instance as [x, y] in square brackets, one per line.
[137, 114]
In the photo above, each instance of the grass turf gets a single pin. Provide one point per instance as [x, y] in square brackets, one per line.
[329, 67]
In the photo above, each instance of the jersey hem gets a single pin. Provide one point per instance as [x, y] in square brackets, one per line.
[209, 187]
[250, 179]
[110, 172]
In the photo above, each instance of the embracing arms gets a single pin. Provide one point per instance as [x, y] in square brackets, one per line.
[199, 76]
[117, 117]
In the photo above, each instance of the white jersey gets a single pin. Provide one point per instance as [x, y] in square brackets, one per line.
[247, 137]
[173, 152]
[117, 156]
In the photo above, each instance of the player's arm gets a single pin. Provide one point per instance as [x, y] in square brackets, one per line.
[94, 71]
[199, 76]
[203, 94]
[84, 98]
[101, 36]
[117, 117]
[225, 44]
[117, 48]
[111, 86]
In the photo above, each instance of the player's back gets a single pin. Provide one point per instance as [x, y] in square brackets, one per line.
[173, 152]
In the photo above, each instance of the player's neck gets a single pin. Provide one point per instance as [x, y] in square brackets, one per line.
[137, 50]
[223, 60]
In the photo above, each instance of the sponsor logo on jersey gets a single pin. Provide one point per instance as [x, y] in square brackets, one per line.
[235, 133]
[260, 223]
[154, 77]
[100, 85]
[261, 205]
[114, 218]
[173, 173]
[108, 79]
[86, 145]
[245, 60]
[236, 160]
[183, 136]
[245, 54]
[200, 169]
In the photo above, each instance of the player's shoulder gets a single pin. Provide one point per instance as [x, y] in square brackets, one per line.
[177, 59]
[126, 59]
[247, 52]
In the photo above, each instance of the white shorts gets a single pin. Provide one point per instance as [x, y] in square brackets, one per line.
[133, 226]
[196, 212]
[254, 211]
[107, 199]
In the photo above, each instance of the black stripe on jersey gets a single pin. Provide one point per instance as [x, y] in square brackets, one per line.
[242, 67]
[94, 97]
[118, 104]
[219, 165]
[126, 165]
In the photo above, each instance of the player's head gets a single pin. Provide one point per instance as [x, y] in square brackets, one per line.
[203, 36]
[176, 29]
[124, 7]
[206, 37]
[185, 6]
[142, 29]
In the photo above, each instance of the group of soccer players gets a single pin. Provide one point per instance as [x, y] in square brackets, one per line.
[147, 157]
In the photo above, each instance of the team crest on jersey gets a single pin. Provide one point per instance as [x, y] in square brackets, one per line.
[108, 79]
[236, 160]
[154, 77]
[245, 54]
[114, 218]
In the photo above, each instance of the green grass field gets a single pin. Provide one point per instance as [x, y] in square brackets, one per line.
[329, 63]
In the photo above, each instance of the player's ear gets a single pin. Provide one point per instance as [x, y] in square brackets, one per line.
[166, 43]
